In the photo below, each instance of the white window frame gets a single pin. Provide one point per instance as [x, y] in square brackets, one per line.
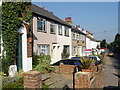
[43, 48]
[43, 26]
[59, 29]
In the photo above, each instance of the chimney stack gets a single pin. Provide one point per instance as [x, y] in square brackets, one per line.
[69, 20]
[82, 29]
[77, 26]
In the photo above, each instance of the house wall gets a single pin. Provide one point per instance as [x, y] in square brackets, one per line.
[79, 43]
[63, 40]
[42, 37]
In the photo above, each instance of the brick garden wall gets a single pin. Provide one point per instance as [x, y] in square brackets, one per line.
[32, 79]
[84, 80]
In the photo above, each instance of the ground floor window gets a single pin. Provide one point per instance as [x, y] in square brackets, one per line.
[43, 49]
[74, 50]
[66, 48]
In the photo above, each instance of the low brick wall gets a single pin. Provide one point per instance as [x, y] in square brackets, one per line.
[66, 69]
[84, 80]
[32, 79]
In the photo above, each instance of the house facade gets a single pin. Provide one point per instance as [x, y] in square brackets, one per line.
[92, 44]
[77, 39]
[51, 35]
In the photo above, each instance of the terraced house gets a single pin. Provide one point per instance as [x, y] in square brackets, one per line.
[51, 35]
[78, 42]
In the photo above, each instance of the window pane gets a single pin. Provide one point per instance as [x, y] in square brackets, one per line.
[41, 24]
[43, 49]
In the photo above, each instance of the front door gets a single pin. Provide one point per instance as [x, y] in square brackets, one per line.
[20, 52]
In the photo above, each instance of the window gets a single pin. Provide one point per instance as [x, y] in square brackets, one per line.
[74, 36]
[52, 28]
[41, 24]
[66, 31]
[59, 29]
[66, 48]
[77, 36]
[43, 49]
[74, 50]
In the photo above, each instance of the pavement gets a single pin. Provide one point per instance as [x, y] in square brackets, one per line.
[111, 67]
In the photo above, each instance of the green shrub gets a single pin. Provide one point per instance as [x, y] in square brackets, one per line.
[65, 54]
[86, 63]
[17, 84]
[43, 64]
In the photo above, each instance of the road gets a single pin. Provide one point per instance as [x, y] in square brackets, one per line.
[111, 67]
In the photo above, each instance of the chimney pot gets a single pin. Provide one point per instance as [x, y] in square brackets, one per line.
[82, 29]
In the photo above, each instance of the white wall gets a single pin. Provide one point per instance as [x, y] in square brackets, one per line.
[26, 62]
[61, 41]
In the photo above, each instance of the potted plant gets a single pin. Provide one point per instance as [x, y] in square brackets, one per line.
[87, 65]
[30, 39]
[65, 54]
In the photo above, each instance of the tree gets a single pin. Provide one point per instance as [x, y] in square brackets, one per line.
[103, 44]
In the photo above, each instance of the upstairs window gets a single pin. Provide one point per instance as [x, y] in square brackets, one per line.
[59, 29]
[52, 28]
[73, 35]
[77, 36]
[66, 31]
[41, 23]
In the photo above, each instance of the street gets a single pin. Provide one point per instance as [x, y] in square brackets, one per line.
[110, 78]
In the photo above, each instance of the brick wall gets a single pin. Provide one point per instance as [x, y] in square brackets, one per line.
[66, 69]
[32, 79]
[82, 80]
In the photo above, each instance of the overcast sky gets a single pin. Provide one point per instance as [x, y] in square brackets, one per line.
[96, 17]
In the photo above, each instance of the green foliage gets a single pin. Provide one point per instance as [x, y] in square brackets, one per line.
[35, 60]
[65, 54]
[42, 63]
[11, 21]
[103, 44]
[17, 84]
[86, 63]
[44, 86]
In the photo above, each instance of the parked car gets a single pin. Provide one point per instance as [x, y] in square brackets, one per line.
[75, 58]
[110, 53]
[97, 59]
[77, 63]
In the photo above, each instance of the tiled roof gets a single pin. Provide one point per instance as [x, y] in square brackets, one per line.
[46, 14]
[74, 29]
